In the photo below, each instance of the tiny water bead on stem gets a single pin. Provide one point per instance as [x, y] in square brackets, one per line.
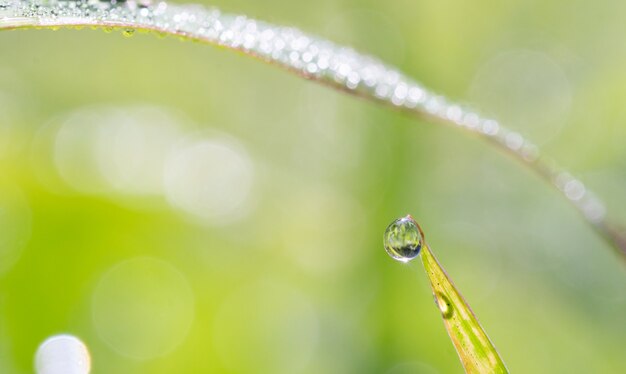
[404, 240]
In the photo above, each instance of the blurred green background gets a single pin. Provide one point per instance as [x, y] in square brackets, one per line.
[183, 209]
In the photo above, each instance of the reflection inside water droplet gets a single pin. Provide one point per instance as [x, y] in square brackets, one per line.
[403, 239]
[444, 305]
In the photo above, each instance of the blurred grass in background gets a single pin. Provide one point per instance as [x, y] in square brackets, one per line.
[186, 209]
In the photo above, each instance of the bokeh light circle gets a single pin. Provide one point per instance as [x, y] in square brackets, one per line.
[143, 308]
[210, 179]
[269, 327]
[62, 354]
[132, 148]
[322, 229]
[121, 150]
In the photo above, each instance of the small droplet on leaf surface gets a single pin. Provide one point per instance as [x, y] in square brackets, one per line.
[444, 305]
[128, 32]
[403, 239]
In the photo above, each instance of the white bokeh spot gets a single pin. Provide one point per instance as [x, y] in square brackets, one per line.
[211, 180]
[62, 354]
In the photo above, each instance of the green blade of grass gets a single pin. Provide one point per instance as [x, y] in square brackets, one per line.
[404, 241]
[312, 58]
[476, 351]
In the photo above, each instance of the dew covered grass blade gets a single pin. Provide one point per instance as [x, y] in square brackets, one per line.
[313, 58]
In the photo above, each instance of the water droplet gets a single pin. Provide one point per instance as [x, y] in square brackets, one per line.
[128, 32]
[403, 239]
[444, 305]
